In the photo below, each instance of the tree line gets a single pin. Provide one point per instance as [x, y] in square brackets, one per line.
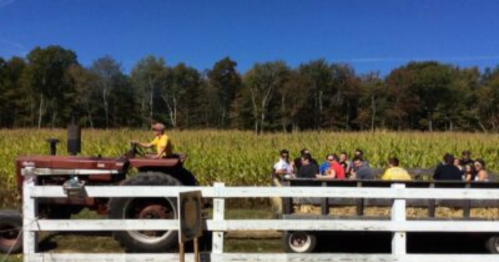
[43, 88]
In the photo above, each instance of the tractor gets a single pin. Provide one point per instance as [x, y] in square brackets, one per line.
[54, 169]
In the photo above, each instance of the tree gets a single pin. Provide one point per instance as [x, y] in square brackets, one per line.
[293, 96]
[15, 98]
[487, 101]
[225, 80]
[421, 86]
[46, 76]
[179, 92]
[343, 97]
[108, 72]
[262, 81]
[318, 77]
[86, 94]
[147, 75]
[372, 99]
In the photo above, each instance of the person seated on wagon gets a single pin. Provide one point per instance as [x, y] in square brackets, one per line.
[447, 171]
[466, 158]
[335, 170]
[394, 172]
[345, 163]
[325, 165]
[282, 167]
[359, 154]
[481, 173]
[298, 163]
[308, 168]
[469, 172]
[361, 170]
[160, 142]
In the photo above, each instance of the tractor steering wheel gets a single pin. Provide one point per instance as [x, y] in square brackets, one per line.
[137, 150]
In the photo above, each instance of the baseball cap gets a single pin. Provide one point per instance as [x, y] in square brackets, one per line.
[158, 127]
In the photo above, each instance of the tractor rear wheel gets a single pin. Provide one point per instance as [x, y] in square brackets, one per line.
[11, 224]
[492, 244]
[146, 208]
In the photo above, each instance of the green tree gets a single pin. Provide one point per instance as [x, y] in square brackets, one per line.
[86, 93]
[108, 73]
[372, 101]
[148, 75]
[180, 92]
[16, 104]
[226, 81]
[343, 97]
[293, 99]
[318, 78]
[488, 101]
[46, 76]
[262, 81]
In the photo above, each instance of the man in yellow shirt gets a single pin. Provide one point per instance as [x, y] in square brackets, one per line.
[161, 142]
[394, 172]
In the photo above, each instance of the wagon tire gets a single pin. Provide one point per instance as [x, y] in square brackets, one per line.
[299, 242]
[11, 224]
[492, 245]
[146, 208]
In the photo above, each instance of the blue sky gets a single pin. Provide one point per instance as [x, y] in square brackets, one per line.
[371, 35]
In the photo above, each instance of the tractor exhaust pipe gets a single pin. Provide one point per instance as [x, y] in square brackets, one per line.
[74, 136]
[53, 146]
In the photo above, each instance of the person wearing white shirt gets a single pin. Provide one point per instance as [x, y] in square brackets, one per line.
[280, 169]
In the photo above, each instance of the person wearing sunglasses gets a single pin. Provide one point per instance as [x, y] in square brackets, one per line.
[481, 173]
[335, 170]
[282, 167]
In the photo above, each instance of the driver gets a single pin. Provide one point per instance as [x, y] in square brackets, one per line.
[161, 142]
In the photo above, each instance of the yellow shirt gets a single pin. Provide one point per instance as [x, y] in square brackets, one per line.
[161, 142]
[396, 173]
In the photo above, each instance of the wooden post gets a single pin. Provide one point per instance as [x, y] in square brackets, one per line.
[399, 239]
[325, 203]
[431, 204]
[287, 202]
[218, 215]
[196, 250]
[181, 251]
[467, 204]
[30, 211]
[360, 202]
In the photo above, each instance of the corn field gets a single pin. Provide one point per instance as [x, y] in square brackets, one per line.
[242, 158]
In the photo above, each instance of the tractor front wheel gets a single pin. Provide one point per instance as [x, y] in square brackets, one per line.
[11, 224]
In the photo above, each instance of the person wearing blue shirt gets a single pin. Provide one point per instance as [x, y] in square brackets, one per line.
[325, 166]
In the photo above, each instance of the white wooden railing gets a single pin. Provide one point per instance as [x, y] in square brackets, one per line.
[398, 224]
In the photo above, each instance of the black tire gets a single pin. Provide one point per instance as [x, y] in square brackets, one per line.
[11, 224]
[299, 242]
[154, 208]
[492, 244]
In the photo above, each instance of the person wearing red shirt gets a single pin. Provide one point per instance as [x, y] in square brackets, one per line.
[335, 170]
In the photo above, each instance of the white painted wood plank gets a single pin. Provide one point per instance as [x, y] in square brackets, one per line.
[103, 225]
[270, 224]
[254, 257]
[30, 237]
[357, 225]
[399, 239]
[246, 192]
[218, 215]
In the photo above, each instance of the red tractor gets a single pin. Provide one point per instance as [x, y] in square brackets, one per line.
[97, 170]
